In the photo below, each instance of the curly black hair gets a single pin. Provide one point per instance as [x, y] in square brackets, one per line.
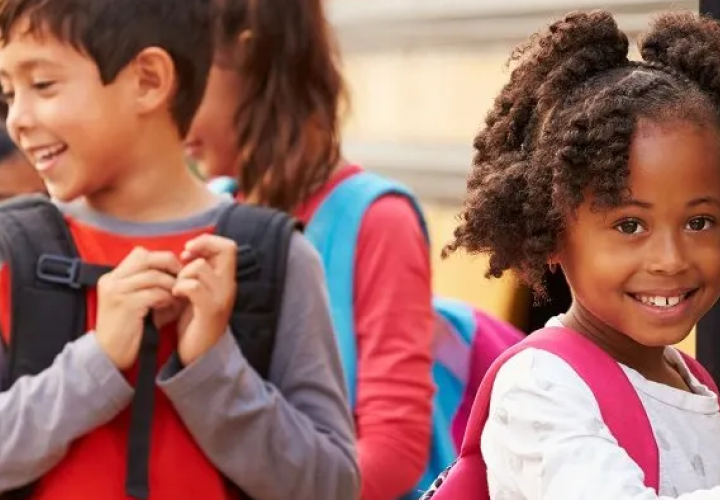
[563, 124]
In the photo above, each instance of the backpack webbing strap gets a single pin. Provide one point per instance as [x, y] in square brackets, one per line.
[137, 484]
[263, 237]
[46, 314]
[334, 230]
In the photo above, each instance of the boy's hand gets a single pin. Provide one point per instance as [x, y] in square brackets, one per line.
[142, 282]
[208, 283]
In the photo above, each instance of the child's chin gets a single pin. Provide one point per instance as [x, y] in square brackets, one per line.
[62, 193]
[671, 336]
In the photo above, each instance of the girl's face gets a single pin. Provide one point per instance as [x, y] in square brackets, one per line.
[651, 268]
[211, 141]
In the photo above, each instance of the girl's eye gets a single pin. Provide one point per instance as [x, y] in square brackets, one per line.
[700, 223]
[630, 227]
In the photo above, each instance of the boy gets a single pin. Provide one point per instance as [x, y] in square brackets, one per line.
[100, 94]
[17, 175]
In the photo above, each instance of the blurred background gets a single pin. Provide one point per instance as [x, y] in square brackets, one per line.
[422, 75]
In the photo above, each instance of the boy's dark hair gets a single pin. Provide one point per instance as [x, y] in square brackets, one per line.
[287, 124]
[113, 32]
[562, 127]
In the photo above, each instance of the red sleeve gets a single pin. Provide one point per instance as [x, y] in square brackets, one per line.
[394, 322]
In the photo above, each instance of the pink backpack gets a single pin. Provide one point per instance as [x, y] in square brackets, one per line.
[619, 404]
[492, 337]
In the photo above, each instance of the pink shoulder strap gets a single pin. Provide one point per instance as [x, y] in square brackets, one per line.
[700, 372]
[621, 409]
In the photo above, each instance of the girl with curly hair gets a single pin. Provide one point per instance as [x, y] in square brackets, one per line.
[610, 170]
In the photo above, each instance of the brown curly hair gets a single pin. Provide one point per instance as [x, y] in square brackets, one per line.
[561, 128]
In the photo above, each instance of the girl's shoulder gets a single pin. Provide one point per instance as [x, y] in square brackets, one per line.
[536, 372]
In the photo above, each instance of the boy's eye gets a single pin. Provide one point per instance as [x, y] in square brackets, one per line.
[630, 226]
[700, 223]
[43, 85]
[6, 96]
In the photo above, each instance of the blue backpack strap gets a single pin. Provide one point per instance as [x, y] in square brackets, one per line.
[459, 314]
[223, 185]
[334, 230]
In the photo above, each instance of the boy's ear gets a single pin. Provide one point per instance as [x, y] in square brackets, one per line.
[153, 72]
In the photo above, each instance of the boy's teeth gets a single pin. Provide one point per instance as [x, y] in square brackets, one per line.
[658, 301]
[46, 153]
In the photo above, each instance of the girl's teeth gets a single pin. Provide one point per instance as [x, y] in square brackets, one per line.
[661, 301]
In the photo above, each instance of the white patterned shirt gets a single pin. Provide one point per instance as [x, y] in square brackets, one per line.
[545, 439]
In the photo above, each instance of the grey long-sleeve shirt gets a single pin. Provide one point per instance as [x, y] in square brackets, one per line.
[290, 437]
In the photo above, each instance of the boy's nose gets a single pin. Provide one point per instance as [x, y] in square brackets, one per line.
[20, 118]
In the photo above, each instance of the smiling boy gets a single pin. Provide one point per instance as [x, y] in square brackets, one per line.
[100, 94]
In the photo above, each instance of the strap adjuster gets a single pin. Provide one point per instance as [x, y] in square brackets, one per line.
[247, 261]
[59, 270]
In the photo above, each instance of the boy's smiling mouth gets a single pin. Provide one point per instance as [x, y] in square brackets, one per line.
[43, 157]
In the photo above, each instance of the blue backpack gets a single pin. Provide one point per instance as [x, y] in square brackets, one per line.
[458, 363]
[334, 230]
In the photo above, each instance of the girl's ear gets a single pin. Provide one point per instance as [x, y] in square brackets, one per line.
[553, 263]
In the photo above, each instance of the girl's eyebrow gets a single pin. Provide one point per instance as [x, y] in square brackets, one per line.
[632, 202]
[704, 200]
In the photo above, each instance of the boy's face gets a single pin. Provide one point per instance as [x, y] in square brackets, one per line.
[73, 129]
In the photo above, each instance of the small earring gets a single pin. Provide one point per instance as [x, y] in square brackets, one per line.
[245, 36]
[552, 267]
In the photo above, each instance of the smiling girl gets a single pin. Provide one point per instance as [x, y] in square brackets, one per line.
[609, 169]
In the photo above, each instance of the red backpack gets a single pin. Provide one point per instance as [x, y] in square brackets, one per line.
[621, 409]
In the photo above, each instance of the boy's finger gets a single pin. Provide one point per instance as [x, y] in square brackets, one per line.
[154, 298]
[191, 289]
[213, 248]
[146, 279]
[132, 263]
[140, 259]
[164, 261]
[198, 269]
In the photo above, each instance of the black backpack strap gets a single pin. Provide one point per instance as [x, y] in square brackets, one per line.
[263, 237]
[137, 481]
[46, 297]
[47, 300]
